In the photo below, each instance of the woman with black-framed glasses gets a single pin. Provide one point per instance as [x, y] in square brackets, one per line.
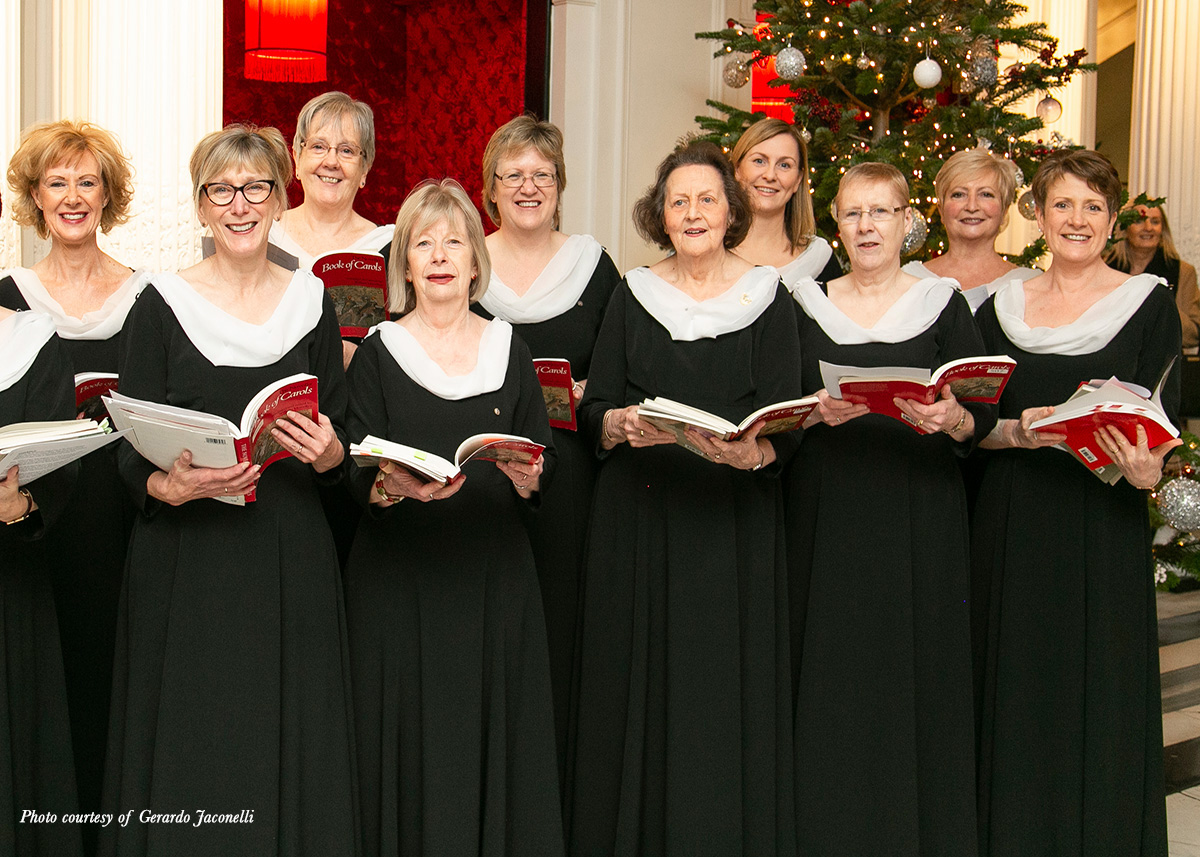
[231, 686]
[877, 552]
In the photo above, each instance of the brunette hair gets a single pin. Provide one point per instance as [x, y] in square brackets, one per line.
[649, 210]
[1095, 169]
[66, 141]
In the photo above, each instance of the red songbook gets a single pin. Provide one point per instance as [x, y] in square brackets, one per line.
[357, 284]
[972, 379]
[478, 447]
[89, 387]
[554, 374]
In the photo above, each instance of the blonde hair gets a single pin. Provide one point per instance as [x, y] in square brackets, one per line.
[1119, 252]
[514, 136]
[426, 204]
[799, 222]
[331, 105]
[66, 141]
[969, 163]
[873, 171]
[241, 146]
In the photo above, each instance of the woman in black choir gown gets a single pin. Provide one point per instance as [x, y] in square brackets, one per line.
[877, 546]
[70, 181]
[447, 643]
[553, 289]
[35, 748]
[231, 681]
[1071, 743]
[684, 745]
[771, 160]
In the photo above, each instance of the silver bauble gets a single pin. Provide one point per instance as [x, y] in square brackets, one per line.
[790, 63]
[806, 135]
[1019, 177]
[1049, 109]
[1179, 502]
[927, 73]
[915, 239]
[737, 74]
[863, 61]
[1027, 206]
[984, 70]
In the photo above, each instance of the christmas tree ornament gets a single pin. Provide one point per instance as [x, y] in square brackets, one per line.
[737, 74]
[790, 63]
[1049, 109]
[984, 68]
[915, 239]
[1019, 176]
[927, 73]
[863, 61]
[1027, 206]
[806, 135]
[1179, 502]
[929, 101]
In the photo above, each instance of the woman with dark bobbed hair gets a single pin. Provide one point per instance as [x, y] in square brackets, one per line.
[231, 682]
[683, 740]
[1070, 756]
[71, 181]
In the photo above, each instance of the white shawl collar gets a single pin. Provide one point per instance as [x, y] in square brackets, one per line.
[1087, 334]
[228, 341]
[374, 241]
[556, 289]
[491, 365]
[976, 296]
[913, 313]
[808, 264]
[22, 336]
[688, 320]
[102, 323]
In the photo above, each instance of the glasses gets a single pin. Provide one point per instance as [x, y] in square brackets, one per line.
[219, 193]
[879, 214]
[519, 179]
[319, 149]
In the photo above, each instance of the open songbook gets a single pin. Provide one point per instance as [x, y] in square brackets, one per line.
[43, 447]
[162, 432]
[1108, 403]
[479, 447]
[674, 417]
[972, 379]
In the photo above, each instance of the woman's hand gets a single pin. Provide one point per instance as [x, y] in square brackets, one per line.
[183, 482]
[944, 415]
[577, 389]
[622, 425]
[399, 482]
[1017, 434]
[526, 476]
[746, 453]
[12, 502]
[313, 443]
[833, 411]
[1140, 465]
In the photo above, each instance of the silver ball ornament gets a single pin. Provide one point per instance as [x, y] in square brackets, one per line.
[790, 63]
[737, 74]
[1019, 178]
[1049, 109]
[927, 73]
[806, 135]
[915, 239]
[863, 61]
[985, 70]
[1027, 206]
[1179, 502]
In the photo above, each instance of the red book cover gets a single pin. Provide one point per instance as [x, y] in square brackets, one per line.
[1081, 433]
[258, 445]
[89, 387]
[778, 420]
[554, 374]
[498, 448]
[357, 285]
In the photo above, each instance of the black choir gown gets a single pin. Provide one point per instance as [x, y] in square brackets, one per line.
[231, 681]
[684, 717]
[559, 530]
[36, 767]
[86, 571]
[1071, 744]
[448, 647]
[878, 558]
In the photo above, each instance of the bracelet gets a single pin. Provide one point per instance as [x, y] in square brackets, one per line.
[962, 421]
[24, 492]
[762, 457]
[604, 427]
[382, 492]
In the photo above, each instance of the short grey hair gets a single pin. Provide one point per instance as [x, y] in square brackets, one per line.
[333, 104]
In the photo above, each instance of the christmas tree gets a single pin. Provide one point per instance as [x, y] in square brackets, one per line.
[907, 82]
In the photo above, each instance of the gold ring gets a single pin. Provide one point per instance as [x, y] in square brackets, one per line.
[920, 422]
[642, 433]
[717, 456]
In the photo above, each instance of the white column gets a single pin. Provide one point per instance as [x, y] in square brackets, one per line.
[156, 82]
[10, 122]
[1164, 153]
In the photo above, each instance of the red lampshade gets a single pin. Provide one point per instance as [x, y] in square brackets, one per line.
[285, 40]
